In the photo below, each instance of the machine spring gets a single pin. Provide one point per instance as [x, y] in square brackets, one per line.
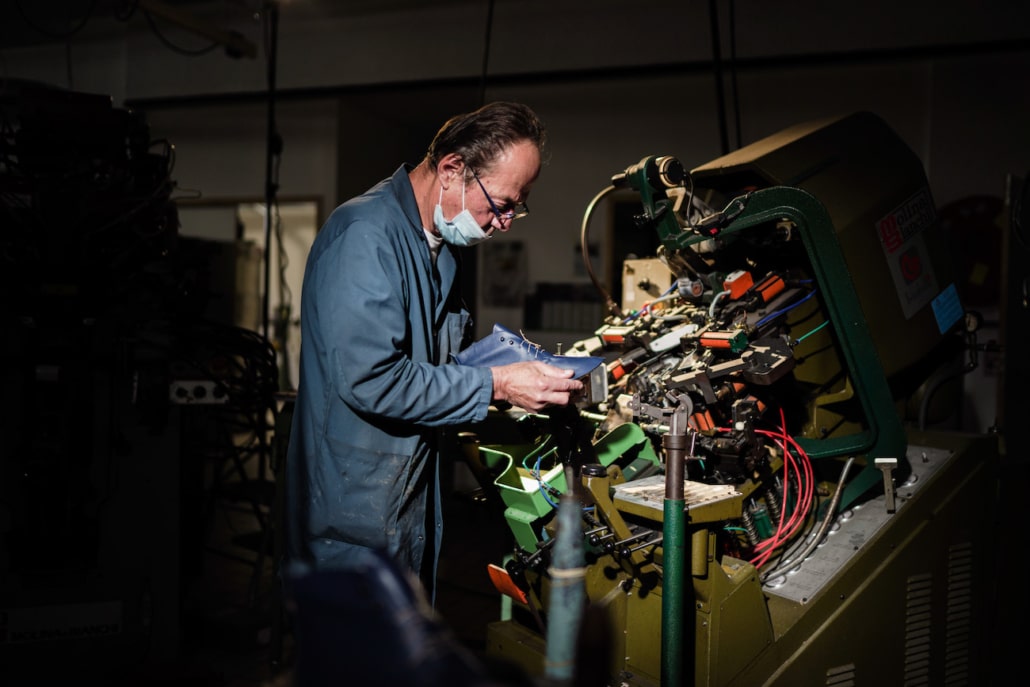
[772, 502]
[749, 527]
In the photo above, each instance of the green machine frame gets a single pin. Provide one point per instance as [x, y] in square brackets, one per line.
[902, 591]
[884, 436]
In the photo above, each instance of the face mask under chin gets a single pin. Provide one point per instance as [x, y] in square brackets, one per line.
[462, 229]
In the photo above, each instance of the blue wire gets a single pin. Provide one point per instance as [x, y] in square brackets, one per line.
[779, 312]
[544, 486]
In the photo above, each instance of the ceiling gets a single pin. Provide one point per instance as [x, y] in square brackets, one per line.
[25, 23]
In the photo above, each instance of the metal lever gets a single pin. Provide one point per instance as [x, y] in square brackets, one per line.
[887, 465]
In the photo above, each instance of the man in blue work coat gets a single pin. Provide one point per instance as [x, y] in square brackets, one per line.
[381, 315]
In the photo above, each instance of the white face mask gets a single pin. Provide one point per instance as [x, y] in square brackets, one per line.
[463, 230]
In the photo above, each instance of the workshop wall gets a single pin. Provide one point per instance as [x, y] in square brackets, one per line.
[361, 90]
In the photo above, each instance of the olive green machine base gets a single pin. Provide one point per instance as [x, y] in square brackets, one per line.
[888, 598]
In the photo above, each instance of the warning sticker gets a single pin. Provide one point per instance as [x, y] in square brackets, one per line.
[901, 235]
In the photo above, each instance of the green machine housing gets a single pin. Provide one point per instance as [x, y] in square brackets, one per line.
[882, 213]
[882, 260]
[688, 474]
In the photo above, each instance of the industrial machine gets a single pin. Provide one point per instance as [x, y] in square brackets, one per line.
[124, 408]
[754, 496]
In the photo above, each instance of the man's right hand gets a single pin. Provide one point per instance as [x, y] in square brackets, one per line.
[534, 385]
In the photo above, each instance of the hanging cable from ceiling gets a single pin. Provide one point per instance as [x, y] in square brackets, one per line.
[717, 68]
[59, 35]
[486, 51]
[720, 96]
[735, 96]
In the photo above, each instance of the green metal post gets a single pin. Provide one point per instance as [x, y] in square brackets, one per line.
[673, 553]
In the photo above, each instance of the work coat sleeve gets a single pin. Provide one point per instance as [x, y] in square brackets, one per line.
[376, 305]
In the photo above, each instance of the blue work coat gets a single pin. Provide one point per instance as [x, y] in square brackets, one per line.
[378, 322]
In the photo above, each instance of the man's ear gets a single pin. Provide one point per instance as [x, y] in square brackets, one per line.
[450, 169]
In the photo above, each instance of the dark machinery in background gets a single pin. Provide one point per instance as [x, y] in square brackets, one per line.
[119, 394]
[756, 498]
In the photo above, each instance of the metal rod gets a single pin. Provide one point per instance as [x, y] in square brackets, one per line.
[673, 554]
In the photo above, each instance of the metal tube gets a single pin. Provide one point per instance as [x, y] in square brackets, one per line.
[673, 554]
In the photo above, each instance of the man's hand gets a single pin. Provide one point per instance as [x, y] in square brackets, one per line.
[534, 385]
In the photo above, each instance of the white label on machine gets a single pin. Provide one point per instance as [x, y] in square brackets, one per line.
[901, 235]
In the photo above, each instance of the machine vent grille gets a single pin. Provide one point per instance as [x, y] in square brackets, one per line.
[841, 676]
[958, 637]
[917, 630]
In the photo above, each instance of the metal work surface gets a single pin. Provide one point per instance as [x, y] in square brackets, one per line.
[850, 532]
[648, 495]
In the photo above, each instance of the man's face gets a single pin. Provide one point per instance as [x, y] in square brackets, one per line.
[494, 196]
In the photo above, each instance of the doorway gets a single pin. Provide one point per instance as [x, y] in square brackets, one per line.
[237, 229]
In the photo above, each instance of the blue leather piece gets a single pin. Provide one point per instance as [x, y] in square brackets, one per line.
[503, 347]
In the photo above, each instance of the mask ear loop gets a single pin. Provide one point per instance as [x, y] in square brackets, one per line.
[439, 201]
[464, 184]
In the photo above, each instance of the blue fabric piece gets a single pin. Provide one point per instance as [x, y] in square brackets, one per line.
[503, 347]
[378, 324]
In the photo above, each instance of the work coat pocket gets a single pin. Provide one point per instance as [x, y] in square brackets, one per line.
[361, 495]
[456, 328]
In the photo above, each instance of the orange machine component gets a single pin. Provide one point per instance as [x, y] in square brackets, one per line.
[736, 341]
[737, 283]
[702, 420]
[770, 287]
[504, 584]
[759, 405]
[617, 370]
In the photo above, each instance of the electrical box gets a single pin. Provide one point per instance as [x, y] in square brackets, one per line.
[643, 281]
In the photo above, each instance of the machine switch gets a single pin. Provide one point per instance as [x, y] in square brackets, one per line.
[887, 465]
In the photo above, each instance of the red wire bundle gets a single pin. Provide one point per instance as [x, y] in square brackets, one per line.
[801, 469]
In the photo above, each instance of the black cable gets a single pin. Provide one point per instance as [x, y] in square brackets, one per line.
[609, 302]
[284, 312]
[486, 51]
[273, 148]
[733, 71]
[171, 46]
[689, 210]
[720, 98]
[60, 36]
[125, 13]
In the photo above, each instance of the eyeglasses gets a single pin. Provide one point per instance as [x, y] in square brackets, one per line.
[506, 213]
